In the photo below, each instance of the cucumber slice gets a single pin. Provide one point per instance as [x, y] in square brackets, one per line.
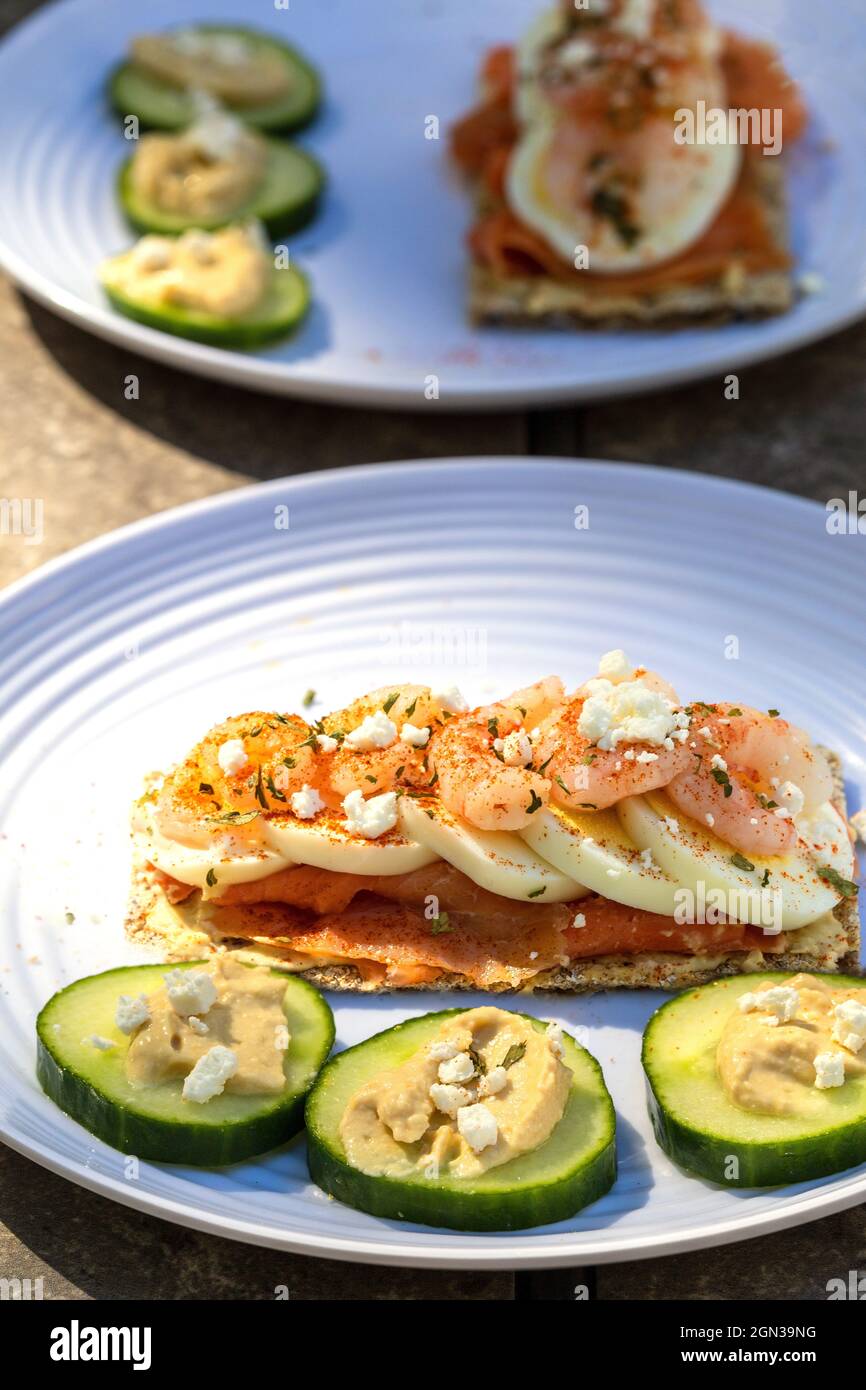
[576, 1165]
[161, 106]
[702, 1130]
[279, 313]
[285, 201]
[154, 1122]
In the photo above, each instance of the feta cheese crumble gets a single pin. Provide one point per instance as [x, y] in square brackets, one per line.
[478, 1126]
[198, 1025]
[514, 749]
[306, 803]
[370, 818]
[449, 1099]
[449, 698]
[232, 756]
[495, 1081]
[629, 713]
[190, 991]
[131, 1013]
[614, 665]
[829, 1070]
[459, 1068]
[374, 731]
[101, 1044]
[850, 1026]
[443, 1051]
[327, 744]
[415, 737]
[791, 798]
[780, 1003]
[217, 135]
[554, 1037]
[579, 920]
[210, 1074]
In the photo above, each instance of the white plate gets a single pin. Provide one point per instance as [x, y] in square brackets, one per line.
[387, 255]
[114, 658]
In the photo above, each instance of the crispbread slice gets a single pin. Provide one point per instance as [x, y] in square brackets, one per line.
[540, 301]
[189, 930]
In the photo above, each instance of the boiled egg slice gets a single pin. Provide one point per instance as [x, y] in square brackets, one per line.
[497, 860]
[326, 842]
[633, 201]
[593, 848]
[701, 863]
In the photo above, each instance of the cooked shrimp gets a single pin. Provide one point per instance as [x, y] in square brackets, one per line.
[586, 777]
[751, 772]
[248, 764]
[398, 721]
[474, 780]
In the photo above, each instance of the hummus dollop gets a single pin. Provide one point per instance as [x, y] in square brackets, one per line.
[485, 1089]
[246, 1017]
[231, 67]
[766, 1057]
[208, 172]
[225, 273]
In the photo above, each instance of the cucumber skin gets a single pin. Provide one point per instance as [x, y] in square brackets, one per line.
[297, 121]
[223, 333]
[759, 1164]
[281, 224]
[163, 1141]
[473, 1211]
[483, 1211]
[159, 1141]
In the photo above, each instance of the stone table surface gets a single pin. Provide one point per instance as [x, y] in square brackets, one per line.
[69, 437]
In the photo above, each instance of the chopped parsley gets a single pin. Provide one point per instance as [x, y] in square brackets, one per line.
[773, 713]
[534, 804]
[277, 795]
[537, 892]
[206, 788]
[210, 878]
[260, 791]
[236, 817]
[835, 879]
[740, 861]
[439, 924]
[514, 1054]
[309, 697]
[390, 702]
[607, 203]
[410, 709]
[477, 1061]
[719, 775]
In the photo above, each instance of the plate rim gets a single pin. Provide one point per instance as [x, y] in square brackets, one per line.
[253, 373]
[443, 1250]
